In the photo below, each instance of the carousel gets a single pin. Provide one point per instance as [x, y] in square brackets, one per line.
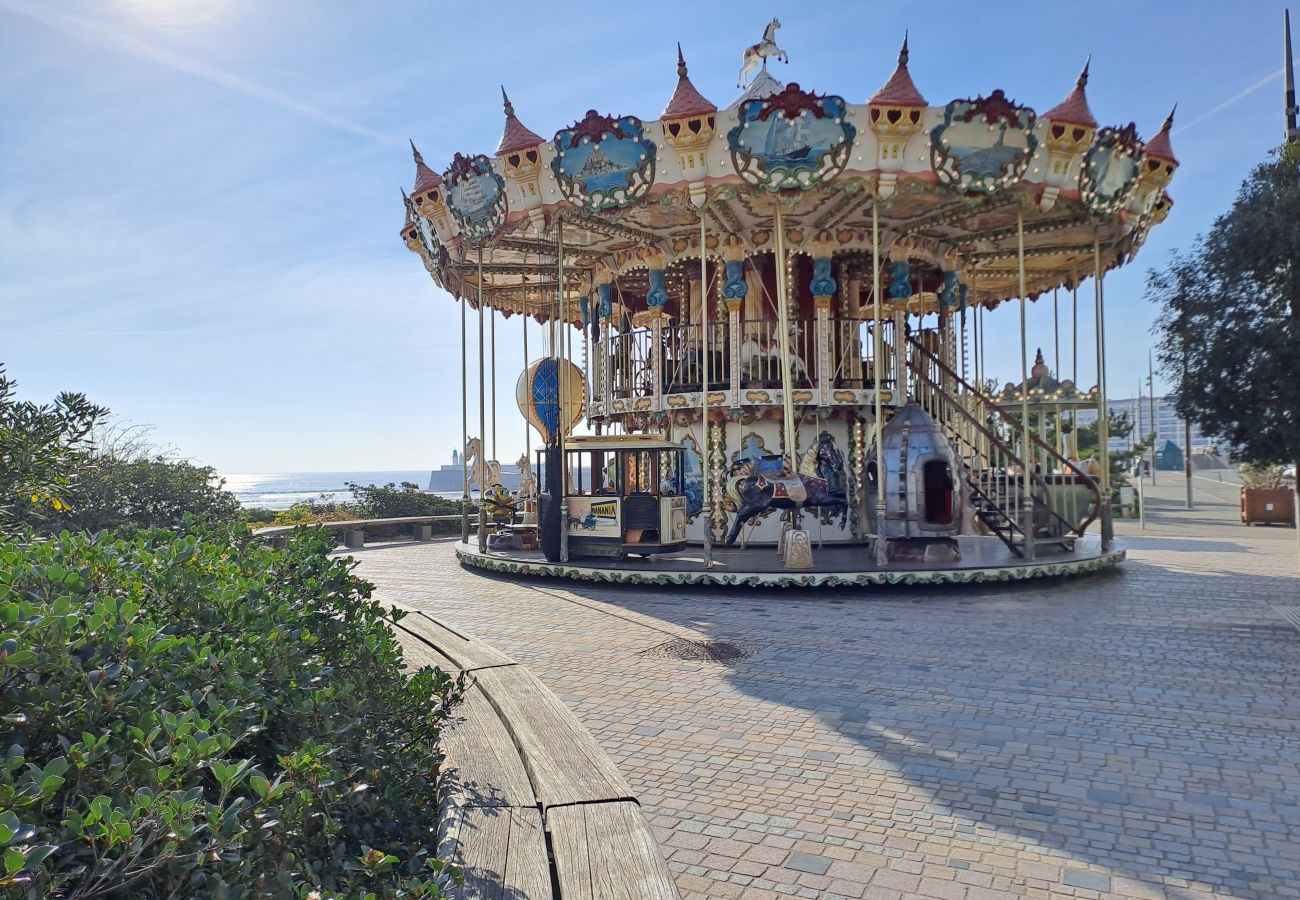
[763, 331]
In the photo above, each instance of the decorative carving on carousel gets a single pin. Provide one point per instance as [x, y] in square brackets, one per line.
[1111, 169]
[791, 140]
[983, 145]
[602, 162]
[476, 196]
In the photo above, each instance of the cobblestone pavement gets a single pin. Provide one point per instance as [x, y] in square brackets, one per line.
[1134, 734]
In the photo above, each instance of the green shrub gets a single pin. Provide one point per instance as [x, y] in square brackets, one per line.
[42, 451]
[150, 492]
[199, 715]
[308, 512]
[392, 501]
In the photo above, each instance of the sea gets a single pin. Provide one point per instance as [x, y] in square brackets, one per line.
[281, 490]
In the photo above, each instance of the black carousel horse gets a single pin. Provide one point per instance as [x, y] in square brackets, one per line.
[754, 492]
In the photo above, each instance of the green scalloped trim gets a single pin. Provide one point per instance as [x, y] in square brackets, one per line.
[774, 579]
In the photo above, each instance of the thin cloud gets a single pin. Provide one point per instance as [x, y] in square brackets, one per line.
[92, 33]
[1230, 101]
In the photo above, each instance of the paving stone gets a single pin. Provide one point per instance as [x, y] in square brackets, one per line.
[1027, 740]
[1093, 881]
[807, 862]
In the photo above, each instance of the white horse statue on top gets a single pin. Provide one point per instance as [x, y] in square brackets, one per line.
[760, 52]
[483, 473]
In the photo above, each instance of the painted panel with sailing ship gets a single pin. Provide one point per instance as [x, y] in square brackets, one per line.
[983, 145]
[792, 139]
[476, 195]
[603, 162]
[1110, 169]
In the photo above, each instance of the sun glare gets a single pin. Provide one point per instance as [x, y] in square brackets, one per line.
[179, 14]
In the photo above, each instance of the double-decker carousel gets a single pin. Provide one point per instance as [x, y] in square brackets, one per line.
[768, 322]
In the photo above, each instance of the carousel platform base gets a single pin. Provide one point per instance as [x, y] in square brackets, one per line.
[983, 559]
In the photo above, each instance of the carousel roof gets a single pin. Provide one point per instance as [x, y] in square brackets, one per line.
[950, 183]
[1044, 390]
[899, 90]
[1073, 110]
[425, 177]
[1159, 147]
[516, 136]
[765, 84]
[686, 100]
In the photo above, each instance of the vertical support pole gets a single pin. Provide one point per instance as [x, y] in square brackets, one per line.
[1026, 450]
[528, 430]
[1056, 362]
[482, 417]
[657, 361]
[1187, 431]
[823, 288]
[706, 348]
[877, 365]
[1155, 424]
[783, 341]
[901, 392]
[1103, 420]
[1074, 364]
[823, 352]
[734, 373]
[851, 330]
[492, 320]
[562, 380]
[464, 424]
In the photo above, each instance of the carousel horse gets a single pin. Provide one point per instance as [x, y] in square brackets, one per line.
[763, 363]
[483, 473]
[820, 482]
[760, 52]
[527, 481]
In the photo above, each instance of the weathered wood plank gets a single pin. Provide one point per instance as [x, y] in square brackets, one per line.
[468, 653]
[483, 767]
[563, 760]
[606, 851]
[502, 851]
[419, 653]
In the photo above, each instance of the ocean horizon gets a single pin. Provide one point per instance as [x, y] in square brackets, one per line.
[281, 490]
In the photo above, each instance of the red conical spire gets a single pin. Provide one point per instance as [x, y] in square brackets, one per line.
[1073, 110]
[899, 89]
[425, 178]
[686, 100]
[516, 137]
[1159, 147]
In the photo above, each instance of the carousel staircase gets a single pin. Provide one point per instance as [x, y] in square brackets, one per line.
[1000, 498]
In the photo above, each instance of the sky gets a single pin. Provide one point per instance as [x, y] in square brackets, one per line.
[199, 199]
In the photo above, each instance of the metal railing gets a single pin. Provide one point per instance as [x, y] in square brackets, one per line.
[997, 471]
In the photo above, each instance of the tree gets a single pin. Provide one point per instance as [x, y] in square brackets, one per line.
[42, 451]
[61, 469]
[1229, 338]
[146, 492]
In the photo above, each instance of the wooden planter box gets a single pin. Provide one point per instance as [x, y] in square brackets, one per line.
[1268, 506]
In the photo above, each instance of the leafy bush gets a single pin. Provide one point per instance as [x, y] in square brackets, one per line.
[199, 715]
[42, 451]
[392, 501]
[61, 467]
[151, 492]
[309, 512]
[1265, 477]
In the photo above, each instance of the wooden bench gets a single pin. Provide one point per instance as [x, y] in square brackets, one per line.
[354, 530]
[521, 769]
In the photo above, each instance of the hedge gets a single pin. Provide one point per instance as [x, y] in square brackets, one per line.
[198, 715]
